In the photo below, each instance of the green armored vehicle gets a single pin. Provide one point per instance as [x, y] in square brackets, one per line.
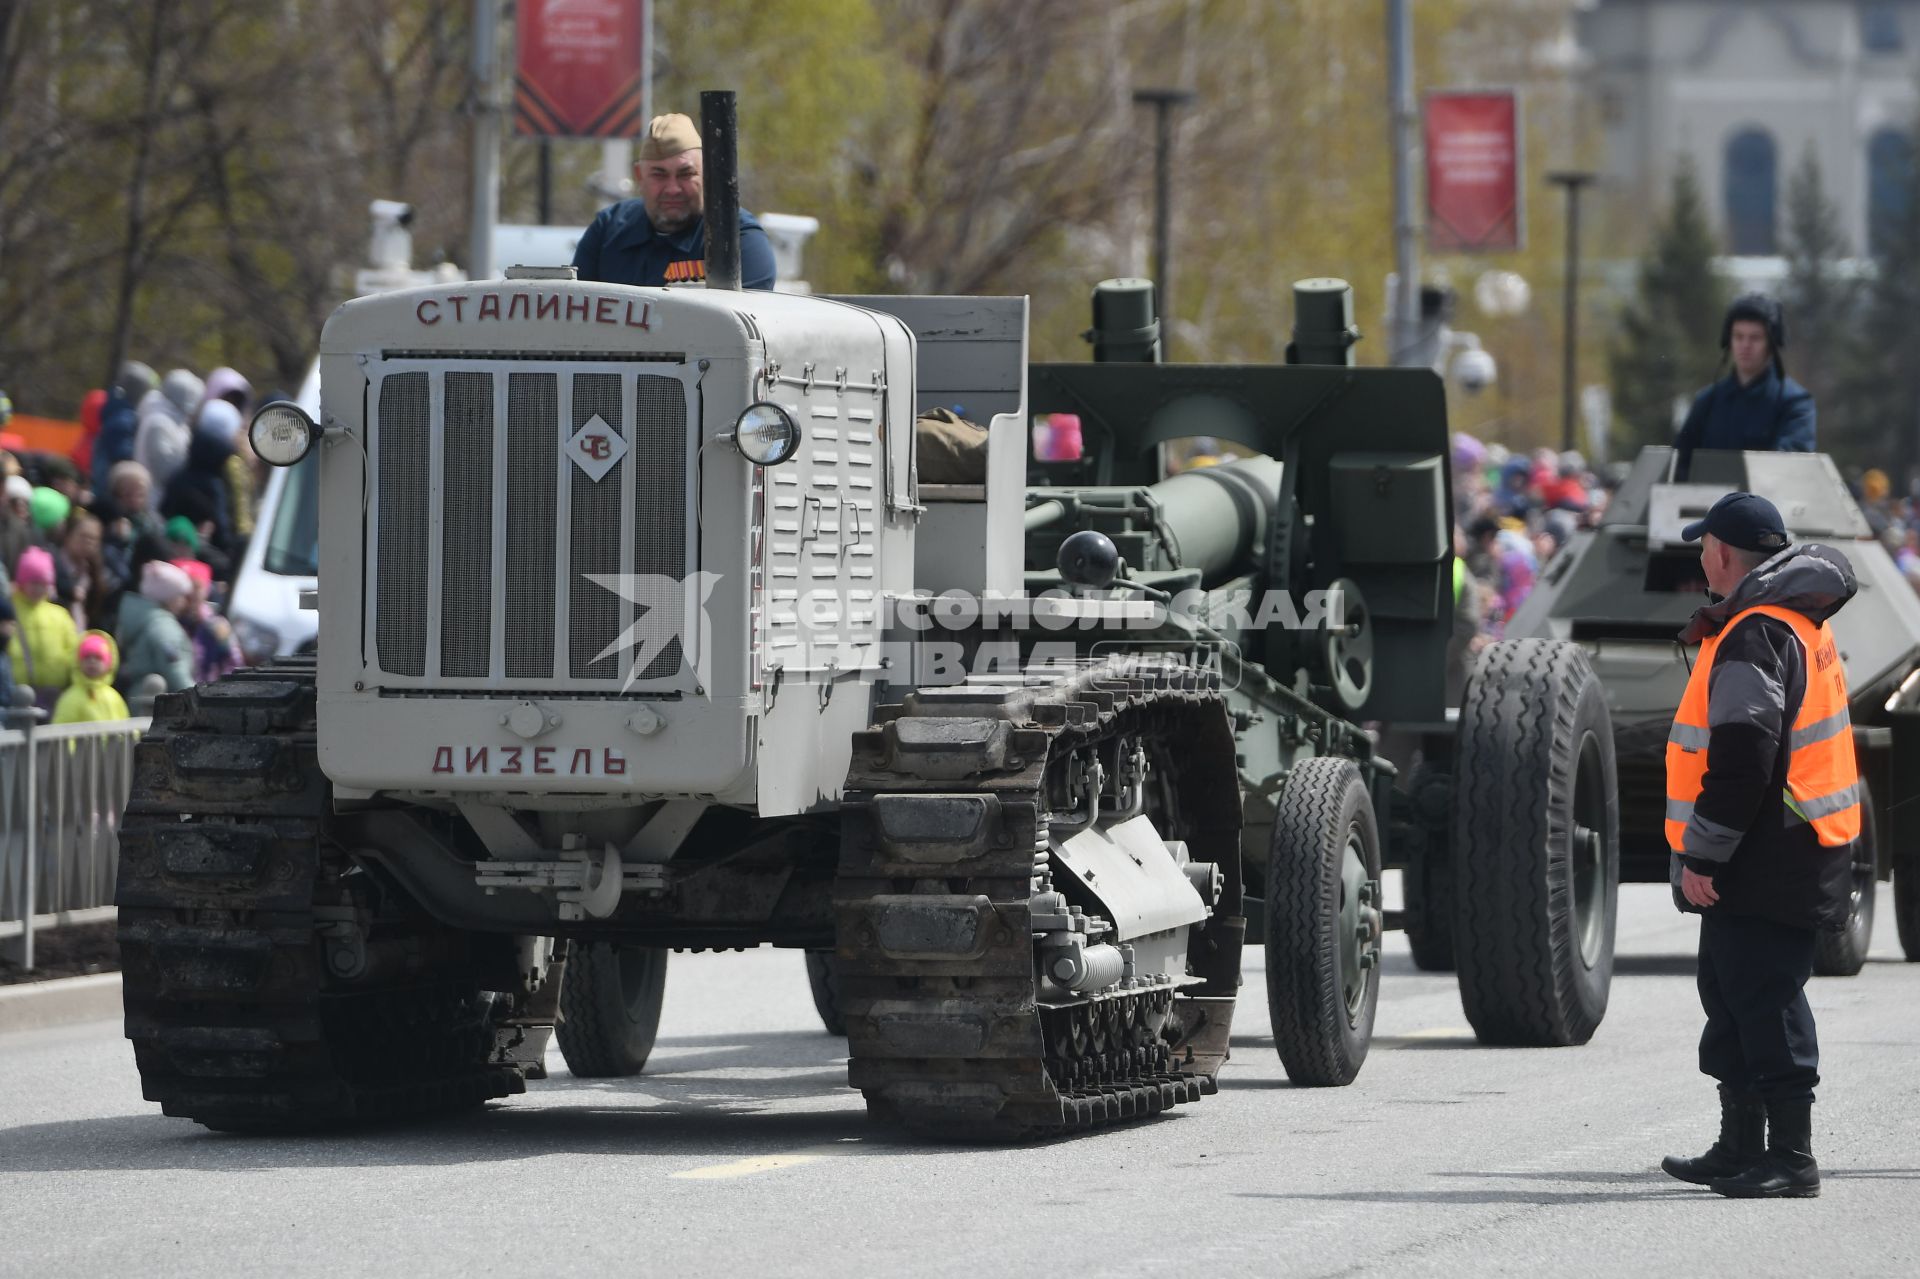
[1623, 590]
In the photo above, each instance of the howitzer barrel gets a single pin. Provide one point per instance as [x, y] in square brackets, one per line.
[1216, 518]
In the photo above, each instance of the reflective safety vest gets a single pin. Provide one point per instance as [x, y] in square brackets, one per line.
[1823, 781]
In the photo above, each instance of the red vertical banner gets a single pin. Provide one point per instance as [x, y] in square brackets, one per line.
[1474, 195]
[580, 68]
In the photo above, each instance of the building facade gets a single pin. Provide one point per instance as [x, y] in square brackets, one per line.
[1744, 88]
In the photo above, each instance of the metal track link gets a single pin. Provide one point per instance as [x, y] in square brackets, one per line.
[233, 1019]
[941, 820]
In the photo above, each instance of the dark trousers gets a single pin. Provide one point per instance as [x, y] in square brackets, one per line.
[1759, 1041]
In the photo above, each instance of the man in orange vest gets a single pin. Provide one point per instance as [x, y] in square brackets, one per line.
[1763, 801]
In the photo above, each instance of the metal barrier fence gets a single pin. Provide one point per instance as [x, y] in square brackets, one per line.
[62, 790]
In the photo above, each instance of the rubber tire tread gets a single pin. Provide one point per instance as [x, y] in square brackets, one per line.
[606, 1031]
[825, 983]
[1844, 954]
[1906, 903]
[1432, 940]
[1324, 797]
[1527, 706]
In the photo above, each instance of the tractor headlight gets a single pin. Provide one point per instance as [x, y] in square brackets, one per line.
[281, 433]
[766, 435]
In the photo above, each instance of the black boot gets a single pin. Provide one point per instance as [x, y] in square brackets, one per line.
[1742, 1144]
[1788, 1171]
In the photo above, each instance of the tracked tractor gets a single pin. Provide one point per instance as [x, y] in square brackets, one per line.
[641, 631]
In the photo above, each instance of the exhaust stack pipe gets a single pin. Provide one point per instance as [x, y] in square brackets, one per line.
[719, 132]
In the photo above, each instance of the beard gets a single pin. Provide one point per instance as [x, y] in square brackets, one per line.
[673, 222]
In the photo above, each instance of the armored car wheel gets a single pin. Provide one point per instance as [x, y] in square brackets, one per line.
[1844, 954]
[1323, 923]
[825, 981]
[610, 1008]
[1536, 846]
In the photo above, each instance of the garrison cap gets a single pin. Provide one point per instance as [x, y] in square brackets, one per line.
[668, 136]
[1745, 520]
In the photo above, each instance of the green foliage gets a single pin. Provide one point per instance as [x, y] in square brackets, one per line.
[810, 75]
[1822, 302]
[959, 145]
[1880, 387]
[1668, 344]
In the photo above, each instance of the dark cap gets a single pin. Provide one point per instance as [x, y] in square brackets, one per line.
[1745, 520]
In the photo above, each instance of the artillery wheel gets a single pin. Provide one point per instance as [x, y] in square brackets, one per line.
[1430, 880]
[1536, 839]
[610, 1008]
[1323, 923]
[825, 981]
[1844, 953]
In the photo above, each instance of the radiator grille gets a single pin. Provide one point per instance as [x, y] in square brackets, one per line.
[466, 542]
[533, 453]
[660, 496]
[521, 527]
[596, 612]
[401, 597]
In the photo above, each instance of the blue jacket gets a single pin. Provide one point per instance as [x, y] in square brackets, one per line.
[621, 247]
[1770, 414]
[118, 421]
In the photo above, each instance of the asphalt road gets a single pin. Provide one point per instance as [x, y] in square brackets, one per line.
[741, 1151]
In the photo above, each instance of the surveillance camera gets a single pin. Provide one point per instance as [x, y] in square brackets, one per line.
[1475, 370]
[394, 211]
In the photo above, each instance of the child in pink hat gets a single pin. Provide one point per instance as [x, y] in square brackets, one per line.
[91, 697]
[45, 641]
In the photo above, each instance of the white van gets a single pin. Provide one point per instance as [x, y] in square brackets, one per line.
[283, 557]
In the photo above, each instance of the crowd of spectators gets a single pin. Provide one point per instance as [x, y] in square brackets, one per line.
[115, 559]
[1895, 519]
[1514, 511]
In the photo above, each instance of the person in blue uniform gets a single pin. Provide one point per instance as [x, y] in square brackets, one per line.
[1756, 406]
[661, 238]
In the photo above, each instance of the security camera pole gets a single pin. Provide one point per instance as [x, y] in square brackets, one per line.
[1403, 117]
[1571, 182]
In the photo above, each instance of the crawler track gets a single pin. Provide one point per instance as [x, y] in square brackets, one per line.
[944, 829]
[234, 1019]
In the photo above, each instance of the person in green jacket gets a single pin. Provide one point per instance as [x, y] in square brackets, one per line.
[91, 697]
[152, 639]
[43, 645]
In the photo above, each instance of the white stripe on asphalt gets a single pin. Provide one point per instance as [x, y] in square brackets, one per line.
[765, 1163]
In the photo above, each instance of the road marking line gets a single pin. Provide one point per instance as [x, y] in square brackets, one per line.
[764, 1163]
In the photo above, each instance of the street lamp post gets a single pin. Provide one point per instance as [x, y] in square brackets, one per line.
[1403, 124]
[1163, 102]
[1571, 182]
